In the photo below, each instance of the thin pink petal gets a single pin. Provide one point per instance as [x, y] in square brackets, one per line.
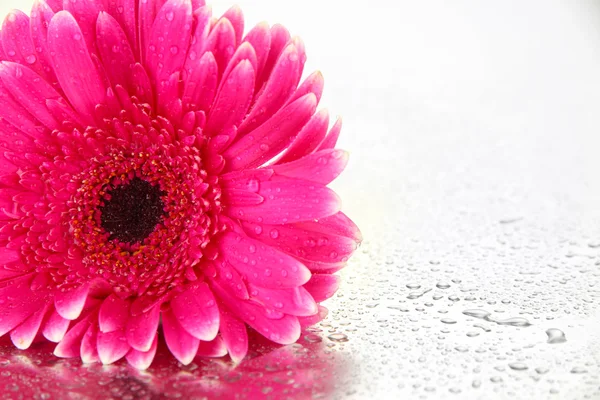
[41, 15]
[322, 286]
[221, 42]
[88, 349]
[70, 345]
[142, 359]
[229, 278]
[56, 327]
[261, 264]
[236, 17]
[213, 349]
[112, 346]
[113, 314]
[280, 86]
[85, 13]
[265, 142]
[232, 101]
[147, 11]
[181, 344]
[279, 37]
[309, 138]
[70, 57]
[289, 200]
[167, 46]
[69, 304]
[332, 137]
[141, 329]
[293, 301]
[197, 312]
[285, 330]
[116, 54]
[30, 90]
[17, 42]
[235, 336]
[125, 13]
[310, 242]
[201, 84]
[313, 84]
[23, 335]
[321, 167]
[197, 46]
[338, 224]
[260, 39]
[56, 5]
[305, 322]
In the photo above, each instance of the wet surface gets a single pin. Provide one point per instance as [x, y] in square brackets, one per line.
[474, 175]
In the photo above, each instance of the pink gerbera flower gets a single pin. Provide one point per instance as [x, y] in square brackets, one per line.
[159, 168]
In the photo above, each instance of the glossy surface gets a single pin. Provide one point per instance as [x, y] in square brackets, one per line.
[474, 130]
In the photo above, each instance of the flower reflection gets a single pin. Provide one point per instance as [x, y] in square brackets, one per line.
[307, 369]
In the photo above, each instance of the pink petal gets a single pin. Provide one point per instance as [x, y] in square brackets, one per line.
[232, 101]
[293, 301]
[56, 327]
[197, 312]
[313, 84]
[280, 86]
[56, 5]
[182, 345]
[235, 336]
[17, 116]
[260, 39]
[236, 17]
[16, 40]
[311, 242]
[85, 13]
[41, 15]
[289, 200]
[198, 3]
[332, 137]
[198, 43]
[116, 54]
[201, 84]
[279, 37]
[70, 56]
[23, 335]
[69, 304]
[321, 167]
[230, 279]
[24, 303]
[243, 198]
[142, 359]
[322, 286]
[70, 345]
[338, 224]
[168, 44]
[147, 11]
[88, 349]
[305, 322]
[308, 139]
[213, 349]
[260, 145]
[113, 314]
[221, 42]
[30, 90]
[283, 331]
[262, 264]
[141, 329]
[112, 346]
[125, 13]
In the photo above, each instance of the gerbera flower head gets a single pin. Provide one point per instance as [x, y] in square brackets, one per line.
[159, 167]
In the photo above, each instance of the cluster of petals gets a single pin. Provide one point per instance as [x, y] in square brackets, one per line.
[97, 95]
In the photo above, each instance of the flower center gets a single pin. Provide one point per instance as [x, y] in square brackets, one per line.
[131, 212]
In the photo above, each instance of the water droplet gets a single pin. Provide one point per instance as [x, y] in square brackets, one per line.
[578, 370]
[31, 59]
[170, 16]
[555, 336]
[413, 286]
[448, 321]
[77, 36]
[482, 314]
[442, 285]
[541, 370]
[518, 366]
[174, 50]
[338, 337]
[274, 233]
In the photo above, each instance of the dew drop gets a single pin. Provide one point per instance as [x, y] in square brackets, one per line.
[555, 336]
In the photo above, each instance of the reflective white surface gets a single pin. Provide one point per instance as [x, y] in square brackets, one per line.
[475, 134]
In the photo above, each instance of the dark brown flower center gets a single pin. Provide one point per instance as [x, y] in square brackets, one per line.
[131, 211]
